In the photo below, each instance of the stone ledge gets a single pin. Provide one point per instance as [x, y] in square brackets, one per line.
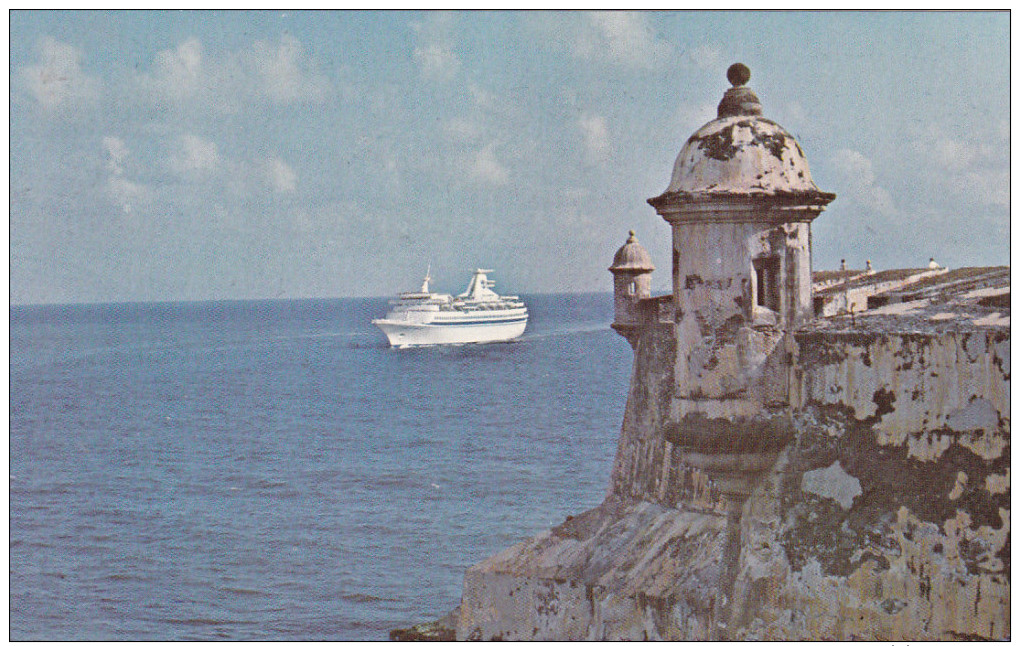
[614, 572]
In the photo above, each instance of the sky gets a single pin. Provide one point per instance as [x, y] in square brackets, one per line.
[172, 156]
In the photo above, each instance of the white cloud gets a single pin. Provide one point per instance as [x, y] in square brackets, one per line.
[482, 97]
[195, 154]
[58, 79]
[597, 142]
[859, 180]
[484, 166]
[625, 38]
[117, 151]
[437, 61]
[282, 177]
[855, 166]
[705, 57]
[462, 129]
[434, 51]
[974, 166]
[1002, 130]
[791, 112]
[211, 174]
[282, 72]
[471, 139]
[274, 72]
[688, 117]
[956, 155]
[985, 187]
[177, 72]
[574, 211]
[485, 114]
[128, 195]
[246, 178]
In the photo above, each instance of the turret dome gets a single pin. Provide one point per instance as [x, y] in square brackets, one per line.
[741, 153]
[632, 257]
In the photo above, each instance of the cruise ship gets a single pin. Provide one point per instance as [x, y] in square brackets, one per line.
[479, 315]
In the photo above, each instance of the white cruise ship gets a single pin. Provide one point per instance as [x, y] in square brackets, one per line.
[479, 315]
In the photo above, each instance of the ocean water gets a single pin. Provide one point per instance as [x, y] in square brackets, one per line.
[273, 471]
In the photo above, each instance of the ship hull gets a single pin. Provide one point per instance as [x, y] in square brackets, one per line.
[402, 334]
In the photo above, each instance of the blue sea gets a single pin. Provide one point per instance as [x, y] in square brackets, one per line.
[272, 470]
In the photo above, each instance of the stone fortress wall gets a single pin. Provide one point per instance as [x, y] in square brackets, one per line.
[780, 475]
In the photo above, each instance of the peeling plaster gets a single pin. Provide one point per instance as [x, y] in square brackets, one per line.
[898, 309]
[995, 318]
[741, 154]
[834, 483]
[977, 414]
[887, 517]
[986, 292]
[958, 489]
[996, 483]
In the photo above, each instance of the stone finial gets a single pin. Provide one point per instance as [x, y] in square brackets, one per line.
[632, 257]
[738, 74]
[739, 100]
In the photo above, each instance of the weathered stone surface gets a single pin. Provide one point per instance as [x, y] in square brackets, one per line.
[875, 523]
[854, 292]
[615, 572]
[778, 477]
[742, 153]
[833, 483]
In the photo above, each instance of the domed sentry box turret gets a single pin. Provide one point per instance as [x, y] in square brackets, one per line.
[740, 203]
[632, 281]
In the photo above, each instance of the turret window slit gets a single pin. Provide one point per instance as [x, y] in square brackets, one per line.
[766, 276]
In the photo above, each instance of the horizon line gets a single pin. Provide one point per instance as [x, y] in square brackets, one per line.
[196, 301]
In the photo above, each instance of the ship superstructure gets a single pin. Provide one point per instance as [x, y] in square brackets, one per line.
[479, 315]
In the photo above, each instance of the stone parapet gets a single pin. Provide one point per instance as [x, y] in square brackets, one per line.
[617, 572]
[885, 517]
